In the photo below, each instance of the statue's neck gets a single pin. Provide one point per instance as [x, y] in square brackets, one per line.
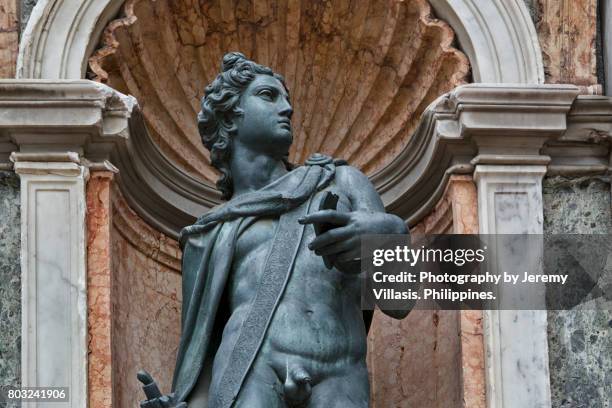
[253, 170]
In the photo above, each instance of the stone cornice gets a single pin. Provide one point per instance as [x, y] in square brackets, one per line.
[106, 128]
[59, 164]
[584, 149]
[474, 124]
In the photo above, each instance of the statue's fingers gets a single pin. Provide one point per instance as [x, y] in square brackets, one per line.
[338, 247]
[326, 216]
[330, 237]
[351, 255]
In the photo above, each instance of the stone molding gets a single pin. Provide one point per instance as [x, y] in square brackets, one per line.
[102, 126]
[588, 133]
[498, 37]
[475, 124]
[61, 35]
[473, 121]
[53, 273]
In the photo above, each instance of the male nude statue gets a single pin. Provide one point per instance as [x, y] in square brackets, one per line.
[266, 324]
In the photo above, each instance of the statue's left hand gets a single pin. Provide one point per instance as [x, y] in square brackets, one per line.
[154, 397]
[343, 241]
[162, 402]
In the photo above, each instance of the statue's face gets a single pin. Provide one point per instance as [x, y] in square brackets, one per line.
[265, 124]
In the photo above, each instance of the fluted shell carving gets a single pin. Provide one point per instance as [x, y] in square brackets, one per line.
[360, 72]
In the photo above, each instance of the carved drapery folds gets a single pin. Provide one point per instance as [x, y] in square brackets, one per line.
[360, 72]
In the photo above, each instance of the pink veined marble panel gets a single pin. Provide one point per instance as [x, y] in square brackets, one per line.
[99, 370]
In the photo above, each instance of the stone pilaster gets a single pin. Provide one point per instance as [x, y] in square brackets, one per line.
[53, 272]
[516, 343]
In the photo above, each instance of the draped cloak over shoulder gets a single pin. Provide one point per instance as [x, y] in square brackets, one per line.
[208, 250]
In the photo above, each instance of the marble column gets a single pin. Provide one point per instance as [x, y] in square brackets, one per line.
[516, 362]
[54, 304]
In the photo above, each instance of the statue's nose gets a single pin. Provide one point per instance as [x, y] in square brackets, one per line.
[286, 109]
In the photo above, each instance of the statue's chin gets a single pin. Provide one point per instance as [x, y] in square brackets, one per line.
[286, 135]
[284, 139]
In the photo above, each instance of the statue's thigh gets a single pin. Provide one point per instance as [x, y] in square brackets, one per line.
[261, 389]
[346, 391]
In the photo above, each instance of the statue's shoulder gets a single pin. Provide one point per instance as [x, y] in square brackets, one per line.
[345, 174]
[351, 177]
[320, 159]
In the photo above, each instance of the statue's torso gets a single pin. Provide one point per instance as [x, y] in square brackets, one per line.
[318, 324]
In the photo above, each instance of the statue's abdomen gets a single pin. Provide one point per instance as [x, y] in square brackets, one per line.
[318, 319]
[318, 322]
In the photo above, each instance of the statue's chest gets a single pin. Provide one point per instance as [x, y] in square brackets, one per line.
[250, 254]
[255, 239]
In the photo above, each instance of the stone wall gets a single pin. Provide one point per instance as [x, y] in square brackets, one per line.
[579, 340]
[10, 281]
[9, 37]
[146, 303]
[567, 30]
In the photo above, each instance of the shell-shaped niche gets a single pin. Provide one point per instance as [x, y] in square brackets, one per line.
[360, 72]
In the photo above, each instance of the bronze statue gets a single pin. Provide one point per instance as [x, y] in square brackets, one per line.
[271, 291]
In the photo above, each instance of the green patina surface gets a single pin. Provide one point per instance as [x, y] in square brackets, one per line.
[579, 340]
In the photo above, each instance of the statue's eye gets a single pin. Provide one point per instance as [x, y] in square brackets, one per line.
[266, 93]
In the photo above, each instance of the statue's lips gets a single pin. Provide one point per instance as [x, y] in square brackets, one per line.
[285, 123]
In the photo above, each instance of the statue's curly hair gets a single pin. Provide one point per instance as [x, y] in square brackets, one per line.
[220, 106]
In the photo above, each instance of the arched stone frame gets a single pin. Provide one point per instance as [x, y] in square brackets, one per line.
[53, 26]
[482, 31]
[178, 197]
